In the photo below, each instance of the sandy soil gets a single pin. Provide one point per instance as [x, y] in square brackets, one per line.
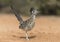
[47, 29]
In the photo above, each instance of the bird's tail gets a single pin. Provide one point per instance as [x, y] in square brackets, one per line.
[17, 14]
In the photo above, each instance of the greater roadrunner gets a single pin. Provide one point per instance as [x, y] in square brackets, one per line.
[29, 23]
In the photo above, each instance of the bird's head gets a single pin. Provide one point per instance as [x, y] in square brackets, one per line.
[34, 11]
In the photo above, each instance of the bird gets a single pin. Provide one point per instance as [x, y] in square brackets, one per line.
[28, 24]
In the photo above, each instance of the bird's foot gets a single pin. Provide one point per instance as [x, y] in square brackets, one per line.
[27, 38]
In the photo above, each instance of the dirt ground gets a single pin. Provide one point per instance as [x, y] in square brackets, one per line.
[47, 29]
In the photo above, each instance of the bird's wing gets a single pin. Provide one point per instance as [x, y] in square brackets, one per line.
[17, 14]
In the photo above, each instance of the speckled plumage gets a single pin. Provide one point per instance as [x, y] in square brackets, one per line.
[28, 24]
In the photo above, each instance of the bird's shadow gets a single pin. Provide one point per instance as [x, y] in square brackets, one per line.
[23, 37]
[30, 37]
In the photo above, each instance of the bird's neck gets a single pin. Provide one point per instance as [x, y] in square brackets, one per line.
[33, 17]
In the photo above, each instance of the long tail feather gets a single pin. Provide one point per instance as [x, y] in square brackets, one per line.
[17, 14]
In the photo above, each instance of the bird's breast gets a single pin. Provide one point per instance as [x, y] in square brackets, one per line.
[27, 26]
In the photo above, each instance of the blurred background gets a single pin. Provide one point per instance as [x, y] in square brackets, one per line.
[47, 23]
[46, 7]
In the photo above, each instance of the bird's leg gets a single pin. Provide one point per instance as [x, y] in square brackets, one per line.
[27, 36]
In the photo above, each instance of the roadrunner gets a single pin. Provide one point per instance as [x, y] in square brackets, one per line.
[28, 24]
